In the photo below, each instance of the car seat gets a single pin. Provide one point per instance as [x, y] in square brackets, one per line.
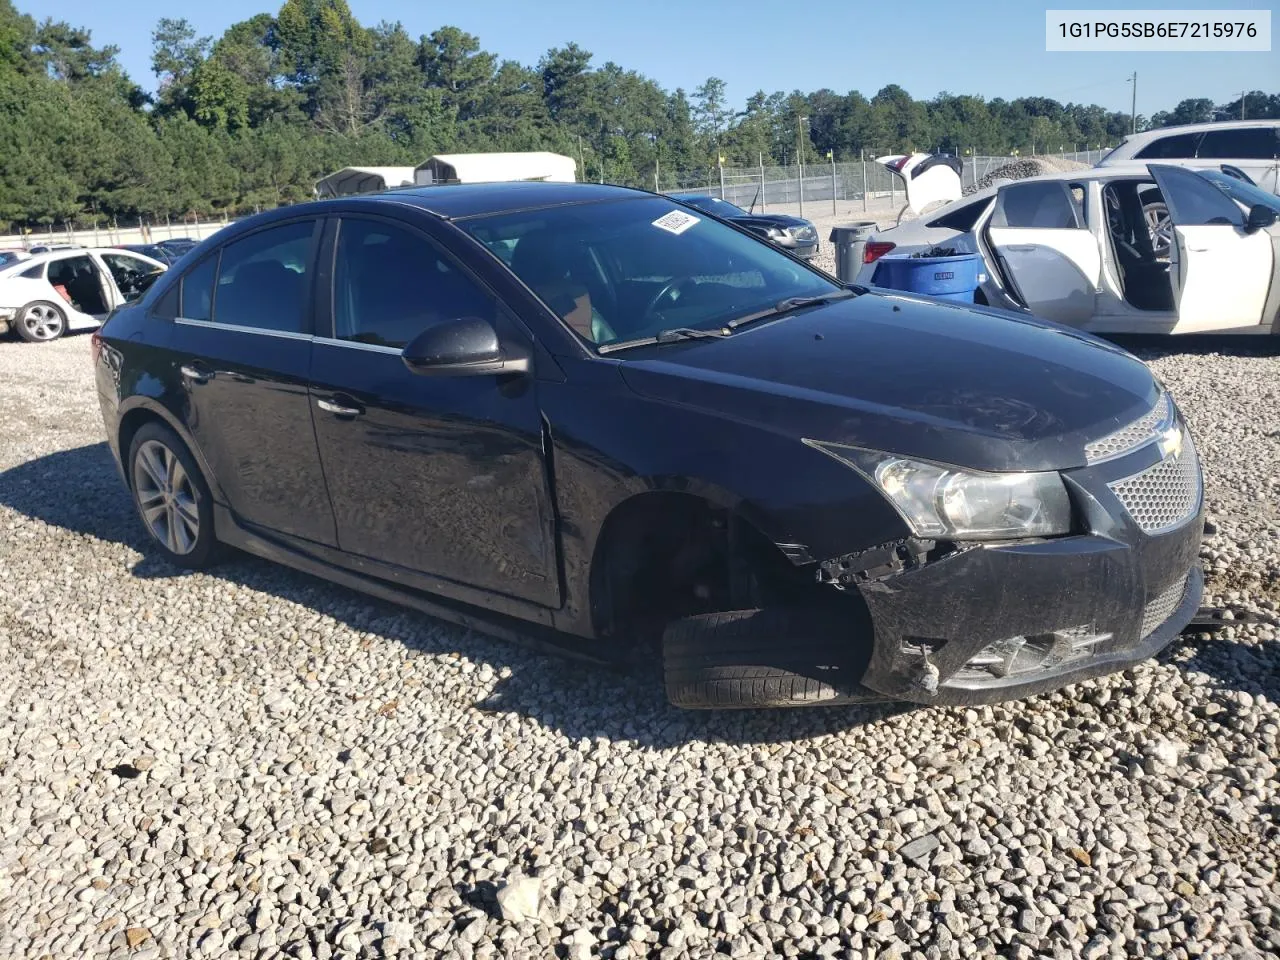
[546, 263]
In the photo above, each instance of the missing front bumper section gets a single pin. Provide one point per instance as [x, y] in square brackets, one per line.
[879, 563]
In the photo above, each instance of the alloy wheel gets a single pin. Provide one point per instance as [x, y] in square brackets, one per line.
[42, 321]
[166, 497]
[1160, 227]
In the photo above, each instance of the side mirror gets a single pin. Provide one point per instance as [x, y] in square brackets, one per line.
[1261, 216]
[463, 347]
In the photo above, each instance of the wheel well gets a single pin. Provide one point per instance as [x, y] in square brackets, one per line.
[665, 555]
[130, 424]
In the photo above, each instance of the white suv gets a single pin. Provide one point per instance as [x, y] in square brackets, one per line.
[1253, 146]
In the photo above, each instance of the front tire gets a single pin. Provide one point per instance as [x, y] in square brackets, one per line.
[172, 498]
[777, 657]
[40, 321]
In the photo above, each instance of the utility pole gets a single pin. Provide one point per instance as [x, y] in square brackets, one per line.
[800, 157]
[1133, 106]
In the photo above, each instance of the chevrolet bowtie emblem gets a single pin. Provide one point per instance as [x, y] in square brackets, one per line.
[1170, 442]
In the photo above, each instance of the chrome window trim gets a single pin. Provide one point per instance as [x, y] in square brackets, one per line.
[357, 345]
[287, 335]
[236, 328]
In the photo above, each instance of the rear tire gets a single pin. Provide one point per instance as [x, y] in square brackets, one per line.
[775, 657]
[40, 321]
[172, 498]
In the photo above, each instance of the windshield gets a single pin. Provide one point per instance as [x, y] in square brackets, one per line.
[1241, 192]
[627, 269]
[1106, 156]
[721, 208]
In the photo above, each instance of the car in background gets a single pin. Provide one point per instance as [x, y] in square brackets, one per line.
[593, 416]
[1252, 146]
[793, 234]
[155, 251]
[178, 246]
[12, 255]
[66, 290]
[49, 247]
[1078, 248]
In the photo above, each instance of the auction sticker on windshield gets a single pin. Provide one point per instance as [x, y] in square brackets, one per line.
[677, 222]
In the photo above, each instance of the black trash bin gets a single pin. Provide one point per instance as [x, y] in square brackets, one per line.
[850, 241]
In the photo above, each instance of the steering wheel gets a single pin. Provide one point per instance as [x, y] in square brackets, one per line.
[668, 288]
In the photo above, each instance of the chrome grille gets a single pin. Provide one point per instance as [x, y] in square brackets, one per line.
[1161, 608]
[1130, 437]
[1166, 495]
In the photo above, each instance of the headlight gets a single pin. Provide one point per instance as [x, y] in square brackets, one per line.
[938, 501]
[774, 233]
[805, 232]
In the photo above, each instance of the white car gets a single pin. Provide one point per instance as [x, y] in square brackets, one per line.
[1076, 248]
[50, 294]
[1252, 146]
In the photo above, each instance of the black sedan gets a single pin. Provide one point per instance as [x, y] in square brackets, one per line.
[152, 250]
[585, 414]
[793, 234]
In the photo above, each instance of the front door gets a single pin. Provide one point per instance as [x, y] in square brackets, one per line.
[1045, 251]
[1220, 273]
[130, 275]
[241, 348]
[442, 476]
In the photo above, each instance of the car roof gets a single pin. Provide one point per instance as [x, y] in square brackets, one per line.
[456, 201]
[1147, 135]
[37, 258]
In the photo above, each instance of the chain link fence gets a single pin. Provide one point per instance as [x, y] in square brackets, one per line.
[114, 232]
[827, 182]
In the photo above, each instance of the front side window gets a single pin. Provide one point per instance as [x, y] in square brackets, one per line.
[627, 269]
[263, 279]
[1256, 144]
[1241, 192]
[132, 276]
[1046, 204]
[390, 284]
[1179, 147]
[1193, 201]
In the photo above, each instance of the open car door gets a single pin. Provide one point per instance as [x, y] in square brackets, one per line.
[1220, 272]
[1045, 253]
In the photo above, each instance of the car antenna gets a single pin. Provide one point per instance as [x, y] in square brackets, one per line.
[753, 201]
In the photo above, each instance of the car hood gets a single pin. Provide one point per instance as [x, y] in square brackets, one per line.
[771, 220]
[968, 386]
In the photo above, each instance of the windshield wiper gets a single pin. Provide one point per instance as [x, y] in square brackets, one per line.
[795, 303]
[668, 336]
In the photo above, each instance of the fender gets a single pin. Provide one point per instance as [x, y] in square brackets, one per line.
[155, 406]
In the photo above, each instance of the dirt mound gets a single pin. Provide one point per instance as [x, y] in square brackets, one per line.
[1025, 167]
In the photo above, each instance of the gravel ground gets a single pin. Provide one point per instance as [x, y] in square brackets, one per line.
[255, 763]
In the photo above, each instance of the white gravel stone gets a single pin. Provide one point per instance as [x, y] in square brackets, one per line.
[250, 762]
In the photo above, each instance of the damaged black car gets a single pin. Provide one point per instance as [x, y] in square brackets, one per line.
[592, 417]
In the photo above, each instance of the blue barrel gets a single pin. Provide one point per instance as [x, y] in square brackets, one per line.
[948, 278]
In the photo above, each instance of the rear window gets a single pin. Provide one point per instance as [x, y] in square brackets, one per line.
[1179, 147]
[964, 217]
[1256, 144]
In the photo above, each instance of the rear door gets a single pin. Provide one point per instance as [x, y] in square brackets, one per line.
[1047, 255]
[1220, 273]
[241, 349]
[443, 477]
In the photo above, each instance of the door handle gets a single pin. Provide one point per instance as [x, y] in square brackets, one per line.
[196, 374]
[338, 409]
[1021, 247]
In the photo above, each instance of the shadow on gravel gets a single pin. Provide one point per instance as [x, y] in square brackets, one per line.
[80, 490]
[1248, 668]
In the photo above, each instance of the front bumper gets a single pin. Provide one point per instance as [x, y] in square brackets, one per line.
[1001, 621]
[804, 249]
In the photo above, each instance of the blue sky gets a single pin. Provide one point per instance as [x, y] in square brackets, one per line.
[924, 45]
